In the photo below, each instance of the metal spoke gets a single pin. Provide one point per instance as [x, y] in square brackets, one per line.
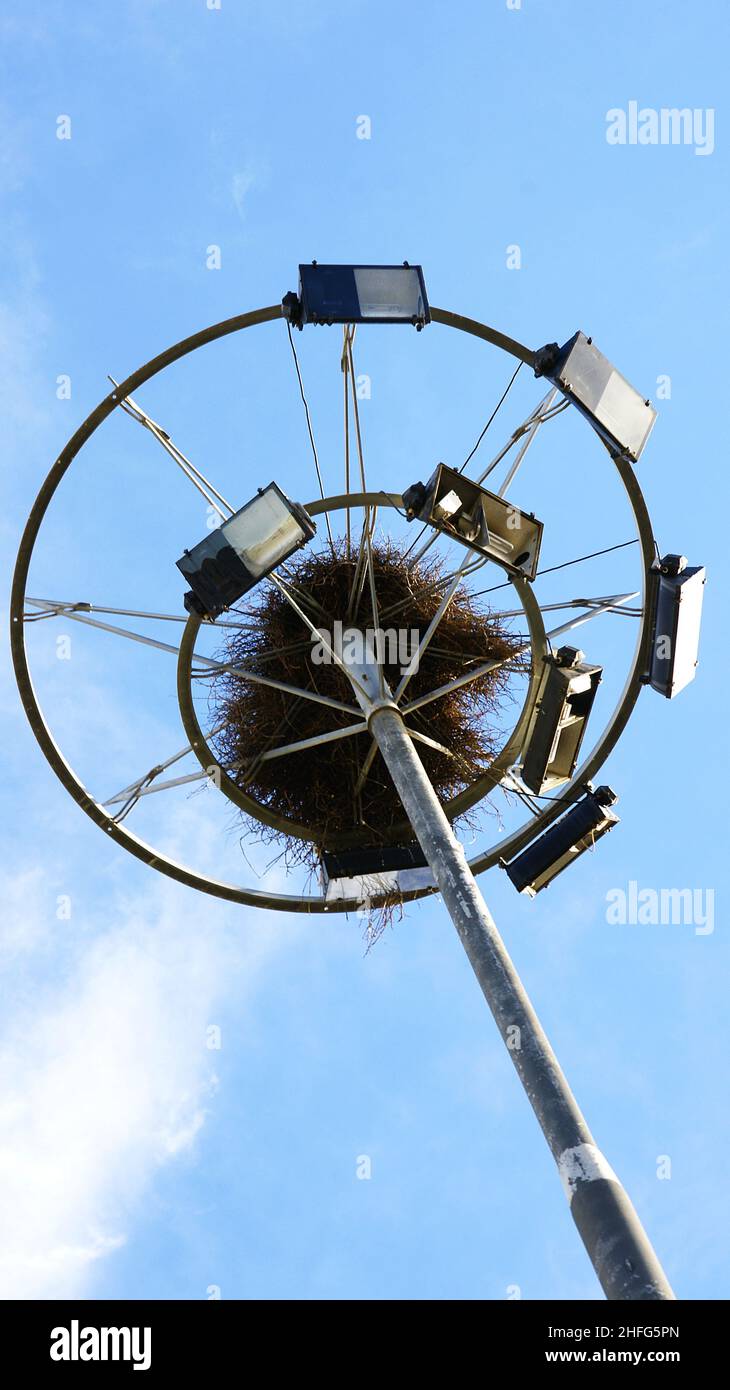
[300, 745]
[77, 617]
[309, 427]
[321, 638]
[495, 665]
[359, 576]
[465, 569]
[511, 787]
[531, 435]
[211, 494]
[373, 749]
[433, 625]
[572, 603]
[365, 769]
[609, 606]
[348, 339]
[150, 790]
[61, 607]
[161, 767]
[367, 530]
[149, 784]
[314, 742]
[459, 681]
[466, 565]
[529, 427]
[430, 742]
[221, 666]
[302, 594]
[469, 456]
[271, 653]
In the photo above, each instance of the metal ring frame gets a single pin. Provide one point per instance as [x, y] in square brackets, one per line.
[507, 847]
[476, 792]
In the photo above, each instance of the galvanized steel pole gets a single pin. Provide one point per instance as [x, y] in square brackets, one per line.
[617, 1245]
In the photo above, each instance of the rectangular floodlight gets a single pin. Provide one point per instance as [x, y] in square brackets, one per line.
[679, 595]
[578, 830]
[371, 873]
[564, 701]
[619, 413]
[245, 548]
[359, 294]
[478, 519]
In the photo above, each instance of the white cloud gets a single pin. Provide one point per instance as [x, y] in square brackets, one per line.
[22, 923]
[105, 1072]
[241, 185]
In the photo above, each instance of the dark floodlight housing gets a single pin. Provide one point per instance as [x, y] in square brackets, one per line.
[358, 294]
[565, 698]
[621, 415]
[372, 872]
[678, 611]
[248, 546]
[377, 859]
[479, 519]
[578, 830]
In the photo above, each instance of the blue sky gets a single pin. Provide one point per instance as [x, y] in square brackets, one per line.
[137, 1161]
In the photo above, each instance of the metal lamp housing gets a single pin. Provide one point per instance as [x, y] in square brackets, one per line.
[369, 873]
[616, 410]
[478, 519]
[565, 697]
[361, 294]
[678, 612]
[245, 548]
[582, 826]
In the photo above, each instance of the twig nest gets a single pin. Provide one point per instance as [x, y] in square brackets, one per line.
[317, 787]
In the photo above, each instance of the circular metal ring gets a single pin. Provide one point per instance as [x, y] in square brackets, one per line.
[132, 843]
[457, 805]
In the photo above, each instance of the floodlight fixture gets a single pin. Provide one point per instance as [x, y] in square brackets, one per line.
[677, 616]
[459, 507]
[358, 294]
[247, 547]
[618, 412]
[578, 830]
[374, 871]
[565, 697]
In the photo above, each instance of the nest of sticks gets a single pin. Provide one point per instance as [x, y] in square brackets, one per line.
[316, 788]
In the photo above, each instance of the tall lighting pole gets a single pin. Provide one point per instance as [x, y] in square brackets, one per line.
[617, 1245]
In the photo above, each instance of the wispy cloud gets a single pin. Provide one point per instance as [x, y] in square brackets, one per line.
[106, 1075]
[241, 184]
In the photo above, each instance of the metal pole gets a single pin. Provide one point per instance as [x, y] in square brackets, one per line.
[617, 1245]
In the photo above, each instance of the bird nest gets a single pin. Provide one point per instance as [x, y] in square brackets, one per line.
[318, 787]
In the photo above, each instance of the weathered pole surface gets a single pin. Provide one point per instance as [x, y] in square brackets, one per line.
[610, 1229]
